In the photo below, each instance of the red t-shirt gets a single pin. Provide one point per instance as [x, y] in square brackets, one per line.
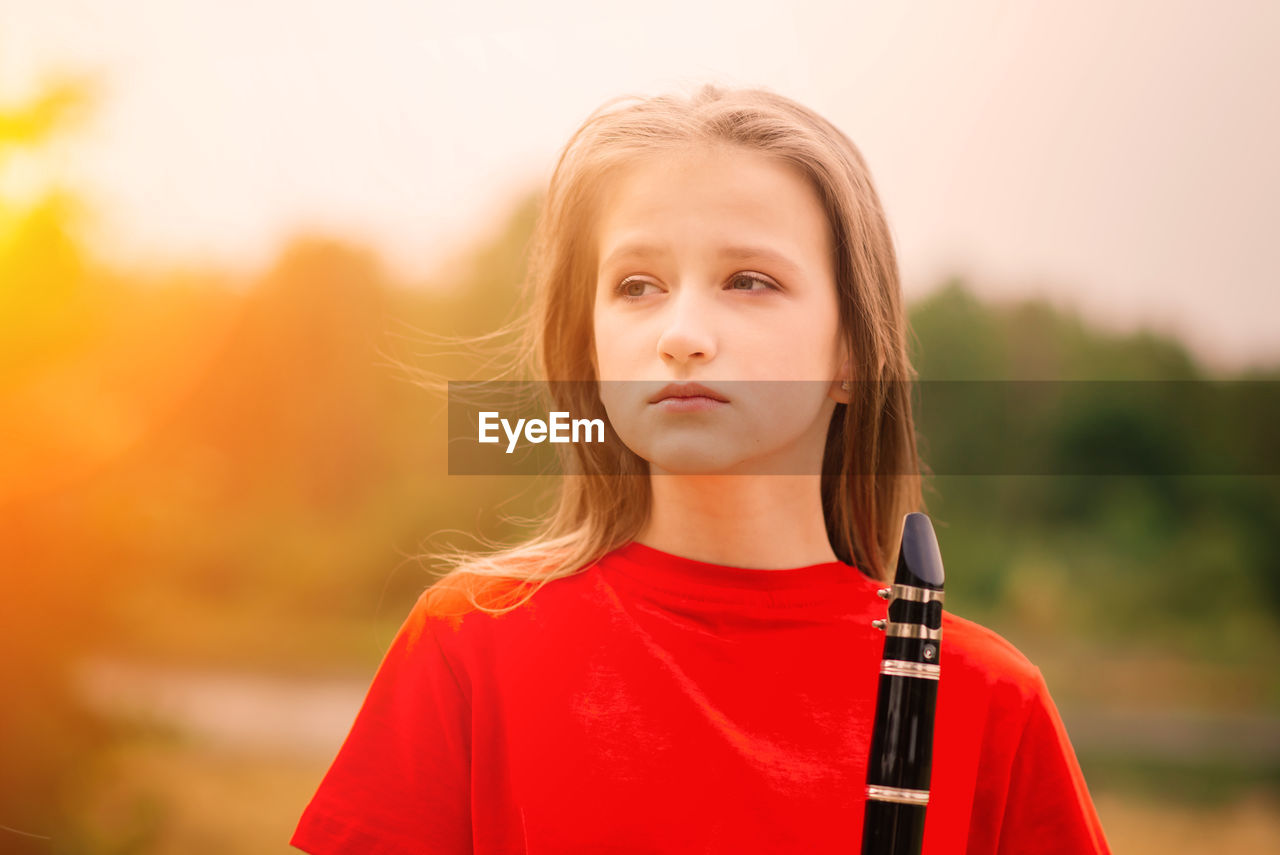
[654, 703]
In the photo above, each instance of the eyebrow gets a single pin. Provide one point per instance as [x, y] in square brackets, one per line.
[735, 253]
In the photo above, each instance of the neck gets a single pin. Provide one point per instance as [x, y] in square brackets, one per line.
[752, 521]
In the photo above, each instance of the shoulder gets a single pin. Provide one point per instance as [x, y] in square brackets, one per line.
[498, 635]
[466, 608]
[985, 657]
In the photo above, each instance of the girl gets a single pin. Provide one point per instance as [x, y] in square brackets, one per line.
[683, 660]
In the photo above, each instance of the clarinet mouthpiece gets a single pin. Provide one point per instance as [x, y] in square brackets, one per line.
[919, 560]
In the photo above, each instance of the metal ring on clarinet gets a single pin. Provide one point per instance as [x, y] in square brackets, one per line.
[912, 630]
[906, 668]
[898, 795]
[915, 594]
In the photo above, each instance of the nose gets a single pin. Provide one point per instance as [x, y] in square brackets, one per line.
[686, 333]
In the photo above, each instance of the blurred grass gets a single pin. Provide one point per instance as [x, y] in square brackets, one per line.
[1142, 825]
[164, 795]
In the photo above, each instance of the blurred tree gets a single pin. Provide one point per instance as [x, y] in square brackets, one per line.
[46, 608]
[957, 338]
[1151, 538]
[490, 286]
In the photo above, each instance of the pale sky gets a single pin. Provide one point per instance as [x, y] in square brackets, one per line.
[1118, 157]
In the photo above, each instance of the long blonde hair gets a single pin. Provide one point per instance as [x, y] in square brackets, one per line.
[870, 472]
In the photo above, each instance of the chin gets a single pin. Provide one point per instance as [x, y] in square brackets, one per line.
[692, 458]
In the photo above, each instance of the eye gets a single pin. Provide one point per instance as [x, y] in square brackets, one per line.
[750, 278]
[631, 288]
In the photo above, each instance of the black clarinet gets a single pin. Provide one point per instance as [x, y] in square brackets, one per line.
[902, 741]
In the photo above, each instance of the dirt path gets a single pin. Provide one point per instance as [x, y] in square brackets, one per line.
[308, 716]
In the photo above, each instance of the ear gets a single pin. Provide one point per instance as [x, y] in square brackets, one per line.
[842, 386]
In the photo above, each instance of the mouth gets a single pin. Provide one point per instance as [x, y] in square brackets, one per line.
[692, 392]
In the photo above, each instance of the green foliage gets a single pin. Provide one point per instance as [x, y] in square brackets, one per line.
[1194, 782]
[959, 337]
[1118, 487]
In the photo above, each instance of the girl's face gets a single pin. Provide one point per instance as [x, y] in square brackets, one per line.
[716, 266]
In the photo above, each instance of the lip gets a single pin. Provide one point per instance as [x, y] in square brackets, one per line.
[689, 391]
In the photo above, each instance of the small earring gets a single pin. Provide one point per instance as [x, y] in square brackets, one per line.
[844, 384]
